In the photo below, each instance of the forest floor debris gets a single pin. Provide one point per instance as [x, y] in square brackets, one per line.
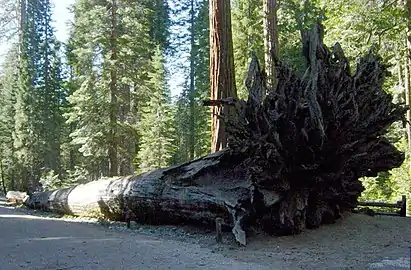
[355, 242]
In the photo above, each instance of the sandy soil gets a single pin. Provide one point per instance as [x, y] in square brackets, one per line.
[355, 242]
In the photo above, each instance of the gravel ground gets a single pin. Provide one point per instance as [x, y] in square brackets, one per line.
[33, 240]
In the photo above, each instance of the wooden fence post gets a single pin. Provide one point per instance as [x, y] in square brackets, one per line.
[403, 211]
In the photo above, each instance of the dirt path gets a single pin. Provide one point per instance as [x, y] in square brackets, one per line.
[27, 242]
[356, 242]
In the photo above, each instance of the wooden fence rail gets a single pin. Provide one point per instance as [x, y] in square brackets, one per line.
[402, 205]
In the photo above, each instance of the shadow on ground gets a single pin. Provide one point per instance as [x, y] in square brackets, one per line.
[355, 242]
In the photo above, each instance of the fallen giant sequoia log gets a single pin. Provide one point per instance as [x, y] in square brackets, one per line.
[294, 160]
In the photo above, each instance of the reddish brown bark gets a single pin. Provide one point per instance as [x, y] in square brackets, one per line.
[270, 40]
[408, 15]
[112, 150]
[222, 79]
[407, 59]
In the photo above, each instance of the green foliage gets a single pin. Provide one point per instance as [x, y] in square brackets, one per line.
[160, 22]
[92, 101]
[192, 119]
[247, 27]
[32, 93]
[358, 25]
[8, 88]
[156, 126]
[50, 180]
[294, 17]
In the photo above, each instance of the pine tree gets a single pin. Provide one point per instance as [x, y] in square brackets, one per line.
[38, 119]
[156, 127]
[8, 20]
[192, 119]
[158, 11]
[247, 37]
[8, 86]
[201, 53]
[110, 66]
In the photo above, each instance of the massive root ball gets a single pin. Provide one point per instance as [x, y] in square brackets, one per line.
[314, 136]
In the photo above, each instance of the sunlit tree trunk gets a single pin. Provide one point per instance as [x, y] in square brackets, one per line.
[21, 11]
[222, 79]
[3, 183]
[112, 150]
[407, 68]
[270, 40]
[191, 139]
[407, 98]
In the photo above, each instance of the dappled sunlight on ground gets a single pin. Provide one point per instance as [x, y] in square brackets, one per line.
[21, 216]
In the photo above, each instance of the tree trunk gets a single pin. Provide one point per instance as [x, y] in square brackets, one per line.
[408, 28]
[294, 160]
[197, 191]
[112, 147]
[21, 15]
[191, 95]
[222, 79]
[407, 98]
[270, 41]
[125, 163]
[3, 183]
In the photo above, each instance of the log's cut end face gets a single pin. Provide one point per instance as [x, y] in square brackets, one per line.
[16, 196]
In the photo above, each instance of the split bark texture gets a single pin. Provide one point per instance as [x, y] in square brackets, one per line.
[222, 79]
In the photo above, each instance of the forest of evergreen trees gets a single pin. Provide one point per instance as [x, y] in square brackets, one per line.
[101, 104]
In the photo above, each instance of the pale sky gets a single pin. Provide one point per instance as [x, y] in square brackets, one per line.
[61, 16]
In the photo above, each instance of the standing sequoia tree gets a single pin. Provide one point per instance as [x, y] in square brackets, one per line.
[222, 79]
[270, 40]
[407, 66]
[295, 157]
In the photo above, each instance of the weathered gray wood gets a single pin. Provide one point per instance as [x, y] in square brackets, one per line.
[402, 205]
[380, 204]
[16, 196]
[197, 191]
[218, 229]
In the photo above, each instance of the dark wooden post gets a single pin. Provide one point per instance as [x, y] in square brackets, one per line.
[403, 211]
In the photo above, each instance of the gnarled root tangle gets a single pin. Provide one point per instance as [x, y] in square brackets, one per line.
[312, 138]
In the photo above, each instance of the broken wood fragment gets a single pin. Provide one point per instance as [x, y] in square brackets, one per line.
[219, 233]
[220, 102]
